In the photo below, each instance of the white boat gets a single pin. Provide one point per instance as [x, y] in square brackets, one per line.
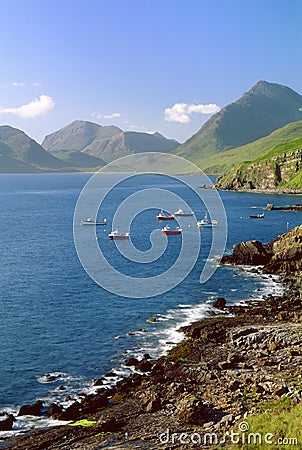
[181, 213]
[206, 223]
[115, 235]
[91, 221]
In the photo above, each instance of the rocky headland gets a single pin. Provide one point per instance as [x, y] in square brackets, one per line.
[227, 367]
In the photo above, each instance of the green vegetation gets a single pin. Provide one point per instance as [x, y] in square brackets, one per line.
[223, 162]
[76, 158]
[279, 167]
[279, 424]
[78, 135]
[82, 423]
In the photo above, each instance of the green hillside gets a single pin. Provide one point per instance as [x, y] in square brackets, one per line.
[223, 162]
[9, 164]
[77, 159]
[279, 168]
[26, 154]
[78, 135]
[263, 109]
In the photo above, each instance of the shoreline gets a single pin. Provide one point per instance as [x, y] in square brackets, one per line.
[219, 375]
[121, 372]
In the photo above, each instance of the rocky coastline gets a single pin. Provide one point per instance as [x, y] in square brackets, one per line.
[225, 369]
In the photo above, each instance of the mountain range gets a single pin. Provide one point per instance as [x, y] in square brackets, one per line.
[108, 143]
[76, 147]
[267, 115]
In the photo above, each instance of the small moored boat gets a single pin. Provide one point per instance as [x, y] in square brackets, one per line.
[167, 230]
[181, 213]
[91, 221]
[206, 223]
[258, 216]
[115, 235]
[163, 216]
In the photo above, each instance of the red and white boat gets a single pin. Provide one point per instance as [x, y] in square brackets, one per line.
[115, 235]
[163, 216]
[168, 231]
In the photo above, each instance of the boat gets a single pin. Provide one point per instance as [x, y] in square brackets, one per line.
[163, 216]
[91, 221]
[181, 213]
[168, 231]
[258, 216]
[115, 235]
[206, 223]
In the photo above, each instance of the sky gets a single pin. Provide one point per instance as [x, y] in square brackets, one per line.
[158, 65]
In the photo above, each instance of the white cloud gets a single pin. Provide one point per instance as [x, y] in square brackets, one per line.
[181, 112]
[18, 84]
[37, 84]
[112, 116]
[37, 107]
[106, 116]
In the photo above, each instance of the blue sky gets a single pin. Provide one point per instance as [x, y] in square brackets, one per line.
[141, 65]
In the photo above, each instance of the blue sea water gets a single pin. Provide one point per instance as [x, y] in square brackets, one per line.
[56, 319]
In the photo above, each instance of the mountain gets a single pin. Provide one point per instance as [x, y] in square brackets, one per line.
[105, 142]
[279, 168]
[20, 153]
[263, 109]
[129, 142]
[78, 135]
[225, 161]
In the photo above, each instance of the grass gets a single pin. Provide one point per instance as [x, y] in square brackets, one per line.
[278, 426]
[275, 155]
[225, 161]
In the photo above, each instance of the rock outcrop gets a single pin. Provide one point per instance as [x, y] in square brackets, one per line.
[271, 173]
[283, 255]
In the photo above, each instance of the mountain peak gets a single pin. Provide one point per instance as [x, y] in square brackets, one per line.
[263, 109]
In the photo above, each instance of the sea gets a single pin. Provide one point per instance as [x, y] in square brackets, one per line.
[60, 318]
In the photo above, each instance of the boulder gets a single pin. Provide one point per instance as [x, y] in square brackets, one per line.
[54, 411]
[219, 303]
[249, 252]
[153, 405]
[94, 402]
[7, 423]
[72, 412]
[130, 362]
[31, 410]
[151, 319]
[98, 382]
[144, 366]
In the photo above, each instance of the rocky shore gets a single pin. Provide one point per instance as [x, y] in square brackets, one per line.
[225, 369]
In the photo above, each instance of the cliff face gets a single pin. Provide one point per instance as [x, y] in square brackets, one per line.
[286, 253]
[276, 172]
